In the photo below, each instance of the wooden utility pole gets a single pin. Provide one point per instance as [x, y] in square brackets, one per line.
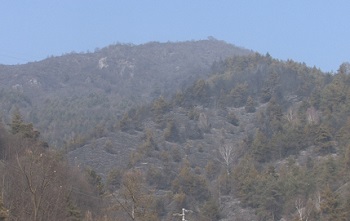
[183, 213]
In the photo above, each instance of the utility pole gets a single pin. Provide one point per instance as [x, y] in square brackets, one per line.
[183, 213]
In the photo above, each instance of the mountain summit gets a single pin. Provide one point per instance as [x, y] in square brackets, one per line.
[95, 88]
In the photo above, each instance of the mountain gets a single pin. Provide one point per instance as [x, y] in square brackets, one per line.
[78, 91]
[248, 137]
[258, 139]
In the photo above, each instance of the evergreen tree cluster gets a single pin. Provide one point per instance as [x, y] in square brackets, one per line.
[292, 164]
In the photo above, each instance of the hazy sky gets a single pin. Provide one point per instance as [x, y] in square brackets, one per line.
[316, 32]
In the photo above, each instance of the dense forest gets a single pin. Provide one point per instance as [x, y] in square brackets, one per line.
[82, 92]
[292, 163]
[255, 138]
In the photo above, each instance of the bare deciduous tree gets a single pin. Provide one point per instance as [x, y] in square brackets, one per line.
[292, 117]
[228, 155]
[134, 199]
[312, 115]
[303, 211]
[36, 185]
[39, 183]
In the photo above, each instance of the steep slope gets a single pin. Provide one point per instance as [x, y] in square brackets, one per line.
[78, 91]
[255, 138]
[250, 141]
[217, 109]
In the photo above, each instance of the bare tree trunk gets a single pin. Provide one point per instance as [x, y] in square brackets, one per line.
[227, 153]
[303, 212]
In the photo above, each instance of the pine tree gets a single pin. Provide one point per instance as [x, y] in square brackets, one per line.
[250, 105]
[260, 147]
[74, 213]
[323, 139]
[19, 127]
[329, 204]
[232, 118]
[171, 132]
[16, 122]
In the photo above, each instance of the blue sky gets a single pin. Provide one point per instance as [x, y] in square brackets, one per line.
[314, 32]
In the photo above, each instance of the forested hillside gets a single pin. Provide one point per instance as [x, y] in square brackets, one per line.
[259, 139]
[78, 93]
[254, 138]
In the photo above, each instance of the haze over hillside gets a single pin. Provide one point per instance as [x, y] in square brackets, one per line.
[79, 91]
[203, 125]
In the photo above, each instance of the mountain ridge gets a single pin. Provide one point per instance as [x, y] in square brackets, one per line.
[117, 77]
[254, 138]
